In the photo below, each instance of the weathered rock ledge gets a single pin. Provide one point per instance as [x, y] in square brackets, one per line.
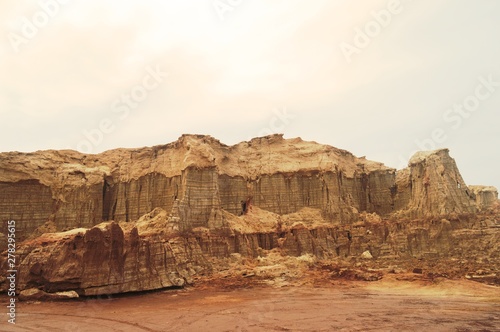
[197, 175]
[140, 219]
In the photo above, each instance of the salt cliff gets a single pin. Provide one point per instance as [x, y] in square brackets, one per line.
[141, 219]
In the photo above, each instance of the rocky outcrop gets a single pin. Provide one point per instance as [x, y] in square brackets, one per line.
[198, 175]
[139, 219]
[109, 259]
[71, 189]
[432, 186]
[152, 253]
[486, 197]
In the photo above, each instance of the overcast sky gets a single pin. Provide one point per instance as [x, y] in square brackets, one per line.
[377, 78]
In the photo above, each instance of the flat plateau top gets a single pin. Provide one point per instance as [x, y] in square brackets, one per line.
[264, 155]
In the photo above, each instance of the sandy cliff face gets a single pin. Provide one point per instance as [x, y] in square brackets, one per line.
[432, 186]
[107, 259]
[486, 197]
[152, 253]
[70, 189]
[75, 190]
[176, 205]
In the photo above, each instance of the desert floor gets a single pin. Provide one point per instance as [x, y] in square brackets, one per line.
[385, 305]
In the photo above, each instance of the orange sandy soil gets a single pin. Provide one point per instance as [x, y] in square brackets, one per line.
[408, 304]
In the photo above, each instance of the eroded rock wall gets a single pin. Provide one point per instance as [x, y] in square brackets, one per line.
[176, 207]
[486, 197]
[384, 240]
[127, 201]
[197, 175]
[432, 186]
[27, 201]
[149, 254]
[338, 196]
[107, 260]
[200, 197]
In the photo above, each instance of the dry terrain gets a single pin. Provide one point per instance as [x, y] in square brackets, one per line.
[385, 305]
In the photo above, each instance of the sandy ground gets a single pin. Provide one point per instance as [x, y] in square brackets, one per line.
[386, 305]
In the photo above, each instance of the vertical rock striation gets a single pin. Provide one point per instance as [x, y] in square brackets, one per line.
[199, 175]
[107, 260]
[141, 219]
[432, 186]
[486, 197]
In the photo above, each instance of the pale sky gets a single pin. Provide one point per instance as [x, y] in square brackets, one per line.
[381, 79]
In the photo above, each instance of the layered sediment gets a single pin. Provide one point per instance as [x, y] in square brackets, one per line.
[140, 219]
[486, 196]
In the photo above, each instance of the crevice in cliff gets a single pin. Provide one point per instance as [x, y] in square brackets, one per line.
[106, 201]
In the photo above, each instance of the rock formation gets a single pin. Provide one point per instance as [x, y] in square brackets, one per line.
[141, 219]
[198, 175]
[107, 259]
[433, 186]
[486, 197]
